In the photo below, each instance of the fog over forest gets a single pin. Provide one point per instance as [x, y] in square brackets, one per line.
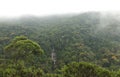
[85, 44]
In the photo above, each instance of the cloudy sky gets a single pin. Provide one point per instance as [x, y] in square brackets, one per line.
[51, 7]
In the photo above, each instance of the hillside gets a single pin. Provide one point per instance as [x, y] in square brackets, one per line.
[91, 37]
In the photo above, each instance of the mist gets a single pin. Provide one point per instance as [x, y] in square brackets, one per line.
[59, 38]
[17, 8]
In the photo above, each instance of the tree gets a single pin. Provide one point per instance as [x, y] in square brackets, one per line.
[84, 69]
[21, 48]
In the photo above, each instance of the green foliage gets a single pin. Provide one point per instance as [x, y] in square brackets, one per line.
[52, 75]
[73, 38]
[22, 48]
[83, 69]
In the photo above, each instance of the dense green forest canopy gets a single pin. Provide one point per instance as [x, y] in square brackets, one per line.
[92, 37]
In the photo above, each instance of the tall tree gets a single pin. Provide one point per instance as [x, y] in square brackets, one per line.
[22, 48]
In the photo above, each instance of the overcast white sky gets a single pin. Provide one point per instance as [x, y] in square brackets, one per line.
[50, 7]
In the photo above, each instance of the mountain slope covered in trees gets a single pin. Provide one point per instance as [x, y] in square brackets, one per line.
[91, 37]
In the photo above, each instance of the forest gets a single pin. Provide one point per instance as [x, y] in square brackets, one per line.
[75, 45]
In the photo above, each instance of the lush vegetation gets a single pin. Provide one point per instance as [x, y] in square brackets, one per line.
[85, 45]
